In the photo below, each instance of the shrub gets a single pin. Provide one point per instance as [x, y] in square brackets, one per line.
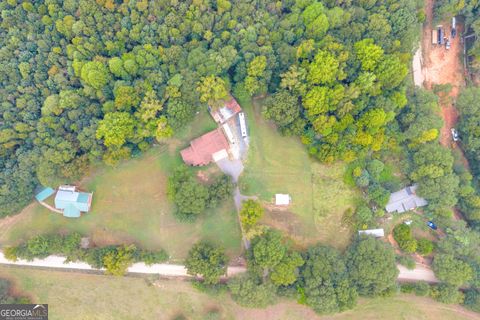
[447, 293]
[403, 235]
[251, 212]
[248, 292]
[406, 261]
[422, 289]
[424, 246]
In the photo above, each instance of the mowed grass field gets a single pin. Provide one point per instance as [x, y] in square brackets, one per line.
[130, 205]
[278, 164]
[78, 296]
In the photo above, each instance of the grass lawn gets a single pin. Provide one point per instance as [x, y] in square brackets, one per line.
[278, 164]
[130, 205]
[83, 296]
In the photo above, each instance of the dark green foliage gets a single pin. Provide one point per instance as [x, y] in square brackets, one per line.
[424, 246]
[208, 261]
[371, 267]
[421, 289]
[325, 282]
[219, 190]
[210, 289]
[432, 169]
[472, 300]
[447, 293]
[191, 197]
[282, 108]
[270, 259]
[68, 246]
[452, 270]
[404, 237]
[151, 257]
[406, 261]
[249, 292]
[44, 245]
[103, 79]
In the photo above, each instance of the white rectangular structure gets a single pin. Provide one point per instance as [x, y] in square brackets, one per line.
[377, 233]
[243, 125]
[67, 188]
[282, 199]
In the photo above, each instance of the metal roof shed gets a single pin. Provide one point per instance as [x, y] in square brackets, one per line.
[44, 194]
[282, 199]
[377, 233]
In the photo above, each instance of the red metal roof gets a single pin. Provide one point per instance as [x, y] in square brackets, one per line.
[202, 148]
[233, 105]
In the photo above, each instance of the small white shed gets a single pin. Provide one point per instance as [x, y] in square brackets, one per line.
[282, 199]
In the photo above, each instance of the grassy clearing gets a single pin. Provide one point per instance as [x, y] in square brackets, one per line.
[278, 164]
[130, 205]
[84, 296]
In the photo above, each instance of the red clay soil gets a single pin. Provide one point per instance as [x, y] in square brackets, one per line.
[442, 66]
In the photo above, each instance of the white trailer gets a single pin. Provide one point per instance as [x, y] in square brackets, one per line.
[243, 124]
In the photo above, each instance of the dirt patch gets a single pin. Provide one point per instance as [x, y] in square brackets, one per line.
[287, 222]
[442, 66]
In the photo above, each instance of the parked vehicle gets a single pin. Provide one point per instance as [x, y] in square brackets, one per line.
[454, 27]
[432, 225]
[440, 35]
[434, 36]
[455, 135]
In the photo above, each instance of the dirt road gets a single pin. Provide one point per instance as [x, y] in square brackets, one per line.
[420, 273]
[442, 66]
[163, 269]
[176, 270]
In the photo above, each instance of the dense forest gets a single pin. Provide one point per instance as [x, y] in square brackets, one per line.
[87, 80]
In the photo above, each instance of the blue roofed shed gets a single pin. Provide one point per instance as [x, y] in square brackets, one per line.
[44, 194]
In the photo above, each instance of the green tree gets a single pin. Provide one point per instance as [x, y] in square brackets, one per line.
[371, 266]
[94, 74]
[251, 212]
[208, 261]
[285, 273]
[117, 262]
[452, 270]
[212, 90]
[424, 246]
[116, 128]
[327, 287]
[248, 292]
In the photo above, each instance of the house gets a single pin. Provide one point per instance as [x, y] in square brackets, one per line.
[405, 200]
[377, 233]
[210, 147]
[229, 109]
[71, 202]
[282, 199]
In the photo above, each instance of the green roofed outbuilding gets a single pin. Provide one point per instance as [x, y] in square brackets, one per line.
[44, 194]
